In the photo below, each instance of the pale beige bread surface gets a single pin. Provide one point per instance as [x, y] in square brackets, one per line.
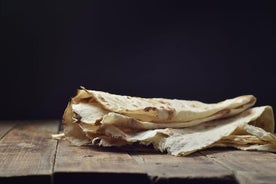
[155, 109]
[178, 127]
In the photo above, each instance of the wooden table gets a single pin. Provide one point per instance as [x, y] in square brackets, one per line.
[29, 155]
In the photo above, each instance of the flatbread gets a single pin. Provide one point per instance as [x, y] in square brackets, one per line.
[189, 140]
[158, 110]
[178, 127]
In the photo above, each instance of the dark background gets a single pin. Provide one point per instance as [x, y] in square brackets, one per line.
[194, 51]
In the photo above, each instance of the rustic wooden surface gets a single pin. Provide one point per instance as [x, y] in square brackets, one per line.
[5, 127]
[27, 152]
[29, 155]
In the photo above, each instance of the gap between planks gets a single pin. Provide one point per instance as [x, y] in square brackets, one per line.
[27, 152]
[61, 161]
[5, 127]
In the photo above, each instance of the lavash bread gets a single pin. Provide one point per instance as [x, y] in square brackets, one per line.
[178, 127]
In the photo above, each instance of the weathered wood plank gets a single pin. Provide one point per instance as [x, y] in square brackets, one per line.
[249, 166]
[196, 168]
[255, 178]
[6, 126]
[27, 153]
[97, 165]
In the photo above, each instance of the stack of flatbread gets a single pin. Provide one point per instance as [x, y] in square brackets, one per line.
[178, 127]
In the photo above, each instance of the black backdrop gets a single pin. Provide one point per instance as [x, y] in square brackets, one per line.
[205, 52]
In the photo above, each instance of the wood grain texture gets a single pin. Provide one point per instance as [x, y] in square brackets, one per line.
[96, 165]
[195, 168]
[245, 177]
[248, 166]
[27, 153]
[6, 126]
